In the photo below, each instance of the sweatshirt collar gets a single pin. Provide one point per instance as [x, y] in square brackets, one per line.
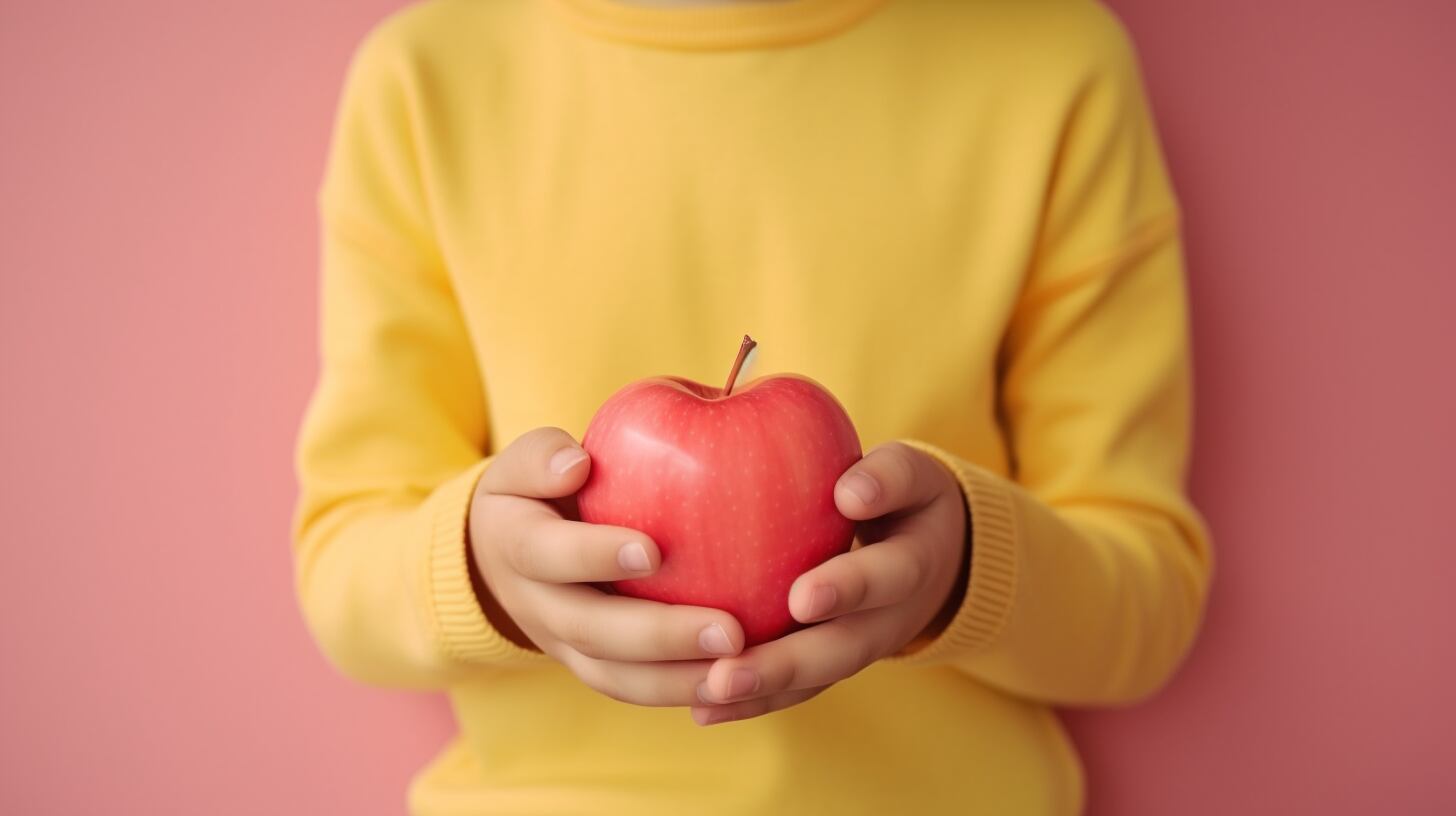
[716, 27]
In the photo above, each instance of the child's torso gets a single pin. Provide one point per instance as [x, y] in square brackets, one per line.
[867, 207]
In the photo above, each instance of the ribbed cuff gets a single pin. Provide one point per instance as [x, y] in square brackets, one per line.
[460, 625]
[991, 589]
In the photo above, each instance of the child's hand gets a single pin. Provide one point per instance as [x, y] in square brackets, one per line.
[874, 600]
[535, 565]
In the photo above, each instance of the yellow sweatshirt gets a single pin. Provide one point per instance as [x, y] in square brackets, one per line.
[955, 215]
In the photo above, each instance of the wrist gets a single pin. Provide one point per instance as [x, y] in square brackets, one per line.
[962, 542]
[489, 605]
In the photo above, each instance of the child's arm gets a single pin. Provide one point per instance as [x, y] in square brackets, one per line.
[391, 447]
[396, 496]
[1089, 568]
[1096, 565]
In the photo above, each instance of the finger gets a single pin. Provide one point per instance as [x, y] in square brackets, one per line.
[644, 684]
[875, 575]
[817, 656]
[542, 464]
[891, 478]
[729, 712]
[545, 547]
[615, 627]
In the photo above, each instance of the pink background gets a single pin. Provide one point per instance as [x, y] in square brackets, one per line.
[157, 293]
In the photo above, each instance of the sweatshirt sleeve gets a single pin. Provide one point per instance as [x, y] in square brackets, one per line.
[1089, 567]
[393, 441]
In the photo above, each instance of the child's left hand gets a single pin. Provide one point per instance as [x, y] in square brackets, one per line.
[873, 600]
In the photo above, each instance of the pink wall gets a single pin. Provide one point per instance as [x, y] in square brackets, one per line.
[157, 165]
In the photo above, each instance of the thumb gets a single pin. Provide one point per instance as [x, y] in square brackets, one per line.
[546, 463]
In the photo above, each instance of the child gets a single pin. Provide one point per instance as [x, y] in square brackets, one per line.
[954, 215]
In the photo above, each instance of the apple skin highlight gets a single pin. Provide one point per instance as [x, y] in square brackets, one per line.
[737, 491]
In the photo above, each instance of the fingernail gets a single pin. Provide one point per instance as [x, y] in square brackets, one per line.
[703, 693]
[863, 486]
[714, 640]
[633, 558]
[821, 601]
[705, 716]
[741, 682]
[566, 459]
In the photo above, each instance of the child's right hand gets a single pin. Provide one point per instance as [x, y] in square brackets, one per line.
[536, 566]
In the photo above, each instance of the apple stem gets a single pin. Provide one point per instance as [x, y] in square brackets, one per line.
[744, 348]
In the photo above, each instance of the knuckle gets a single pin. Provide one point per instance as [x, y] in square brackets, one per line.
[514, 467]
[789, 677]
[529, 453]
[579, 632]
[660, 688]
[914, 573]
[520, 449]
[548, 439]
[899, 467]
[858, 651]
[853, 589]
[589, 560]
[664, 636]
[542, 438]
[525, 556]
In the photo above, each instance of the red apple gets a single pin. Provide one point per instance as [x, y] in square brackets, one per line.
[736, 486]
